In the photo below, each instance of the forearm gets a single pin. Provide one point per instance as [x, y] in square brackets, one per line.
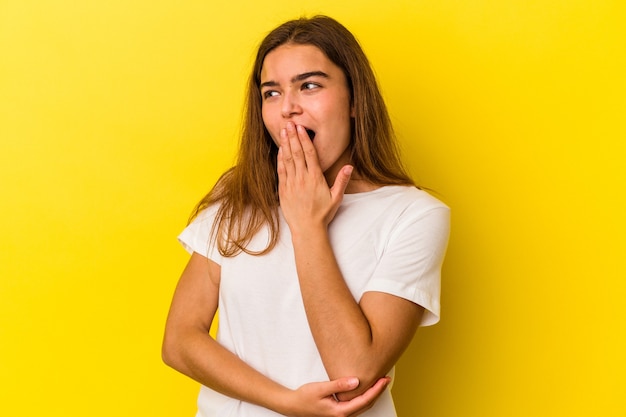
[196, 354]
[342, 331]
[214, 366]
[188, 348]
[363, 339]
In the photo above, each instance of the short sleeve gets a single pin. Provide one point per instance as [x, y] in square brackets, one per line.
[196, 237]
[410, 266]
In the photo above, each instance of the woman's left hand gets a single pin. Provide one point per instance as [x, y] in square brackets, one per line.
[305, 197]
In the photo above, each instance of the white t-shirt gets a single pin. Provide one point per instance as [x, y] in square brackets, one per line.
[391, 240]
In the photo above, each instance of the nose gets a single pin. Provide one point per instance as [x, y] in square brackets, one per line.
[290, 105]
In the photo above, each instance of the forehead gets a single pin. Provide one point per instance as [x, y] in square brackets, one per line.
[290, 59]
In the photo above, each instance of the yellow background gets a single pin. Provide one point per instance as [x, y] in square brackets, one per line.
[117, 116]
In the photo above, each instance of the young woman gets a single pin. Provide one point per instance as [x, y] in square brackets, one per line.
[319, 250]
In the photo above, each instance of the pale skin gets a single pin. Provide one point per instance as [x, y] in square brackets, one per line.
[359, 342]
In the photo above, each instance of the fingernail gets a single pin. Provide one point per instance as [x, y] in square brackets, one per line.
[353, 382]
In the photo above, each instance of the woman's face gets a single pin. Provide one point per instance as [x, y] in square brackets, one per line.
[300, 84]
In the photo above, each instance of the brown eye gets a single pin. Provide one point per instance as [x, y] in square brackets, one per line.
[270, 93]
[310, 86]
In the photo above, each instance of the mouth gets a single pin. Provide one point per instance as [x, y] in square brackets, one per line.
[311, 133]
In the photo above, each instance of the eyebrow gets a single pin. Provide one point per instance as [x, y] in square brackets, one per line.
[299, 77]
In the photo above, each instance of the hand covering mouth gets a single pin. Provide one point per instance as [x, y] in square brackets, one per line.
[311, 133]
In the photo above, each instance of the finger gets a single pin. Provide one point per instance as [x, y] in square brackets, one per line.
[280, 166]
[295, 148]
[367, 399]
[345, 384]
[341, 182]
[286, 158]
[295, 141]
[338, 385]
[310, 154]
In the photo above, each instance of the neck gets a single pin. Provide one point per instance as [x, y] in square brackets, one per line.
[358, 185]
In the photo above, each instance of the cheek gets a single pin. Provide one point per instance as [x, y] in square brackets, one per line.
[265, 117]
[271, 128]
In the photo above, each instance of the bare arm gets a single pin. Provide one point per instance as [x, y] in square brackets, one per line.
[364, 339]
[188, 348]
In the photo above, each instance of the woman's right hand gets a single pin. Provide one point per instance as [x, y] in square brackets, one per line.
[317, 399]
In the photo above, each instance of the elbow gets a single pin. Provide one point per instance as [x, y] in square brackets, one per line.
[367, 378]
[166, 356]
[182, 346]
[170, 354]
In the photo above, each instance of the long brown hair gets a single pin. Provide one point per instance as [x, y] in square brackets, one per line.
[247, 193]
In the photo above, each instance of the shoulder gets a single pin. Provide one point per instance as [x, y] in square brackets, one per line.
[413, 214]
[197, 236]
[393, 210]
[206, 215]
[398, 199]
[416, 199]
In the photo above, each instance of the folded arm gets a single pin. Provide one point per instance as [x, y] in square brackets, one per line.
[188, 348]
[363, 338]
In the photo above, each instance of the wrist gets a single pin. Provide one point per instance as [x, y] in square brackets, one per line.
[309, 237]
[285, 402]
